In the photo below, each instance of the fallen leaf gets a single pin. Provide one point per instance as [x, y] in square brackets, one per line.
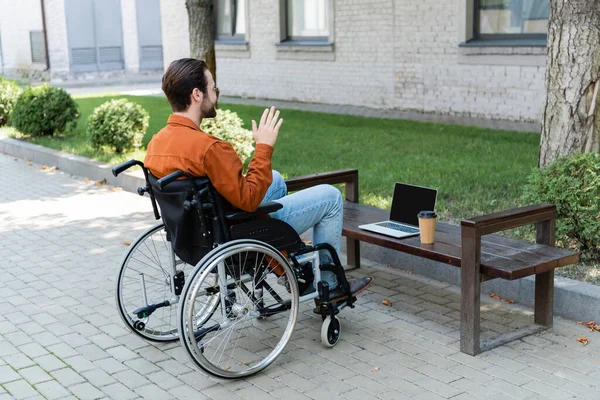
[583, 339]
[386, 302]
[496, 297]
[597, 328]
[48, 169]
[389, 265]
[410, 271]
[592, 325]
[115, 189]
[87, 180]
[101, 183]
[375, 369]
[227, 368]
[126, 243]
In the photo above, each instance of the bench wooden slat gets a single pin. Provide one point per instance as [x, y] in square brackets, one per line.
[501, 257]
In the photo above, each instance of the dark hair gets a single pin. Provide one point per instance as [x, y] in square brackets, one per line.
[180, 79]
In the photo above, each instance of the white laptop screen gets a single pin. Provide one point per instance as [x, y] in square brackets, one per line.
[409, 200]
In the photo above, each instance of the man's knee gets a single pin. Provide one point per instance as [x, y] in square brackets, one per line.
[331, 194]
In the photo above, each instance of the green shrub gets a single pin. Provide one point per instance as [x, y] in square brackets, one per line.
[118, 124]
[227, 125]
[44, 110]
[573, 184]
[9, 93]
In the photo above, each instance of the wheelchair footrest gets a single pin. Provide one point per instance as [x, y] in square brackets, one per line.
[146, 311]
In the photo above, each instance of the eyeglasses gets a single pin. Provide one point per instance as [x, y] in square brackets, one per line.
[217, 91]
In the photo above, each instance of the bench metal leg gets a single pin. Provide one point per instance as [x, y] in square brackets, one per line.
[544, 298]
[470, 292]
[353, 253]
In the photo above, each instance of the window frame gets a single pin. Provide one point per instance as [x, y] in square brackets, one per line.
[286, 38]
[511, 37]
[234, 38]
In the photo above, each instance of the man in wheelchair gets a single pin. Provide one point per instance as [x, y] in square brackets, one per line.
[237, 307]
[181, 145]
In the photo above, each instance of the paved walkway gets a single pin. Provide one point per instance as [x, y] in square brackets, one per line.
[60, 335]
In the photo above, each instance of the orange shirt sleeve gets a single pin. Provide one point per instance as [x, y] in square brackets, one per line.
[224, 169]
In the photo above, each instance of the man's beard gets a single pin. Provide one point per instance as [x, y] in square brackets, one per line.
[207, 110]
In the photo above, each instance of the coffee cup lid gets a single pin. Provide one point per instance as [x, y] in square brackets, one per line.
[427, 214]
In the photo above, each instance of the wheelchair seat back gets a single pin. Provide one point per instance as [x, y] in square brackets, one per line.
[189, 231]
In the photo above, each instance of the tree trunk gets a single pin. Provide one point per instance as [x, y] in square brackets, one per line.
[571, 120]
[202, 32]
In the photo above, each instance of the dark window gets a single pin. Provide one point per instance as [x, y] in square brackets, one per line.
[307, 20]
[38, 51]
[511, 19]
[230, 19]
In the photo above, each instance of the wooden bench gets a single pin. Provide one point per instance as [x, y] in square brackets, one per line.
[473, 247]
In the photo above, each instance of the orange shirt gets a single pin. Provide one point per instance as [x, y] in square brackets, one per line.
[181, 145]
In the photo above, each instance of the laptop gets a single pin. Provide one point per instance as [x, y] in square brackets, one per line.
[407, 202]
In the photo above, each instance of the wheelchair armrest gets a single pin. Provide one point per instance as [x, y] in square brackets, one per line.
[263, 209]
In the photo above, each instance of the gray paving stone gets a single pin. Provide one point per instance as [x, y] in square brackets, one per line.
[142, 366]
[110, 365]
[86, 391]
[8, 374]
[131, 378]
[186, 393]
[153, 392]
[164, 379]
[98, 377]
[67, 377]
[119, 391]
[50, 362]
[34, 374]
[20, 389]
[122, 353]
[17, 361]
[52, 390]
[33, 350]
[79, 363]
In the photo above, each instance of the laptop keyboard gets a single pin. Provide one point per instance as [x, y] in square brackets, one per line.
[398, 227]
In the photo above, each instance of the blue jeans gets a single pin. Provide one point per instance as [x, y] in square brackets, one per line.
[319, 207]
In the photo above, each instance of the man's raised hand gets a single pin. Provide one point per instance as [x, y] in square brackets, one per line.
[268, 128]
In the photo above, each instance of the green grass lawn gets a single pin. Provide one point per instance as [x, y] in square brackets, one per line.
[476, 170]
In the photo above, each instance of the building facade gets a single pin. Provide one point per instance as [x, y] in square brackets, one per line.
[473, 58]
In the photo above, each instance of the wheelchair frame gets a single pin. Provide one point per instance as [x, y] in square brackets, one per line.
[186, 290]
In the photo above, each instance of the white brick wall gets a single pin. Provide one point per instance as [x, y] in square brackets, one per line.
[17, 19]
[388, 54]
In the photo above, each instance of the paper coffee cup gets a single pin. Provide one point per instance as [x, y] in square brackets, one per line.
[427, 226]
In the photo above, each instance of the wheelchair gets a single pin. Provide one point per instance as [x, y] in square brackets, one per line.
[225, 282]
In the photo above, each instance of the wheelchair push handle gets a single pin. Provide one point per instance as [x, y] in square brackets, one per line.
[164, 181]
[126, 165]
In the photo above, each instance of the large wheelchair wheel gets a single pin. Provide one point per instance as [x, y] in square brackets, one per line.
[149, 281]
[255, 315]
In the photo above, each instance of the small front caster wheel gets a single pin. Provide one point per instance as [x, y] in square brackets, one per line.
[139, 325]
[330, 331]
